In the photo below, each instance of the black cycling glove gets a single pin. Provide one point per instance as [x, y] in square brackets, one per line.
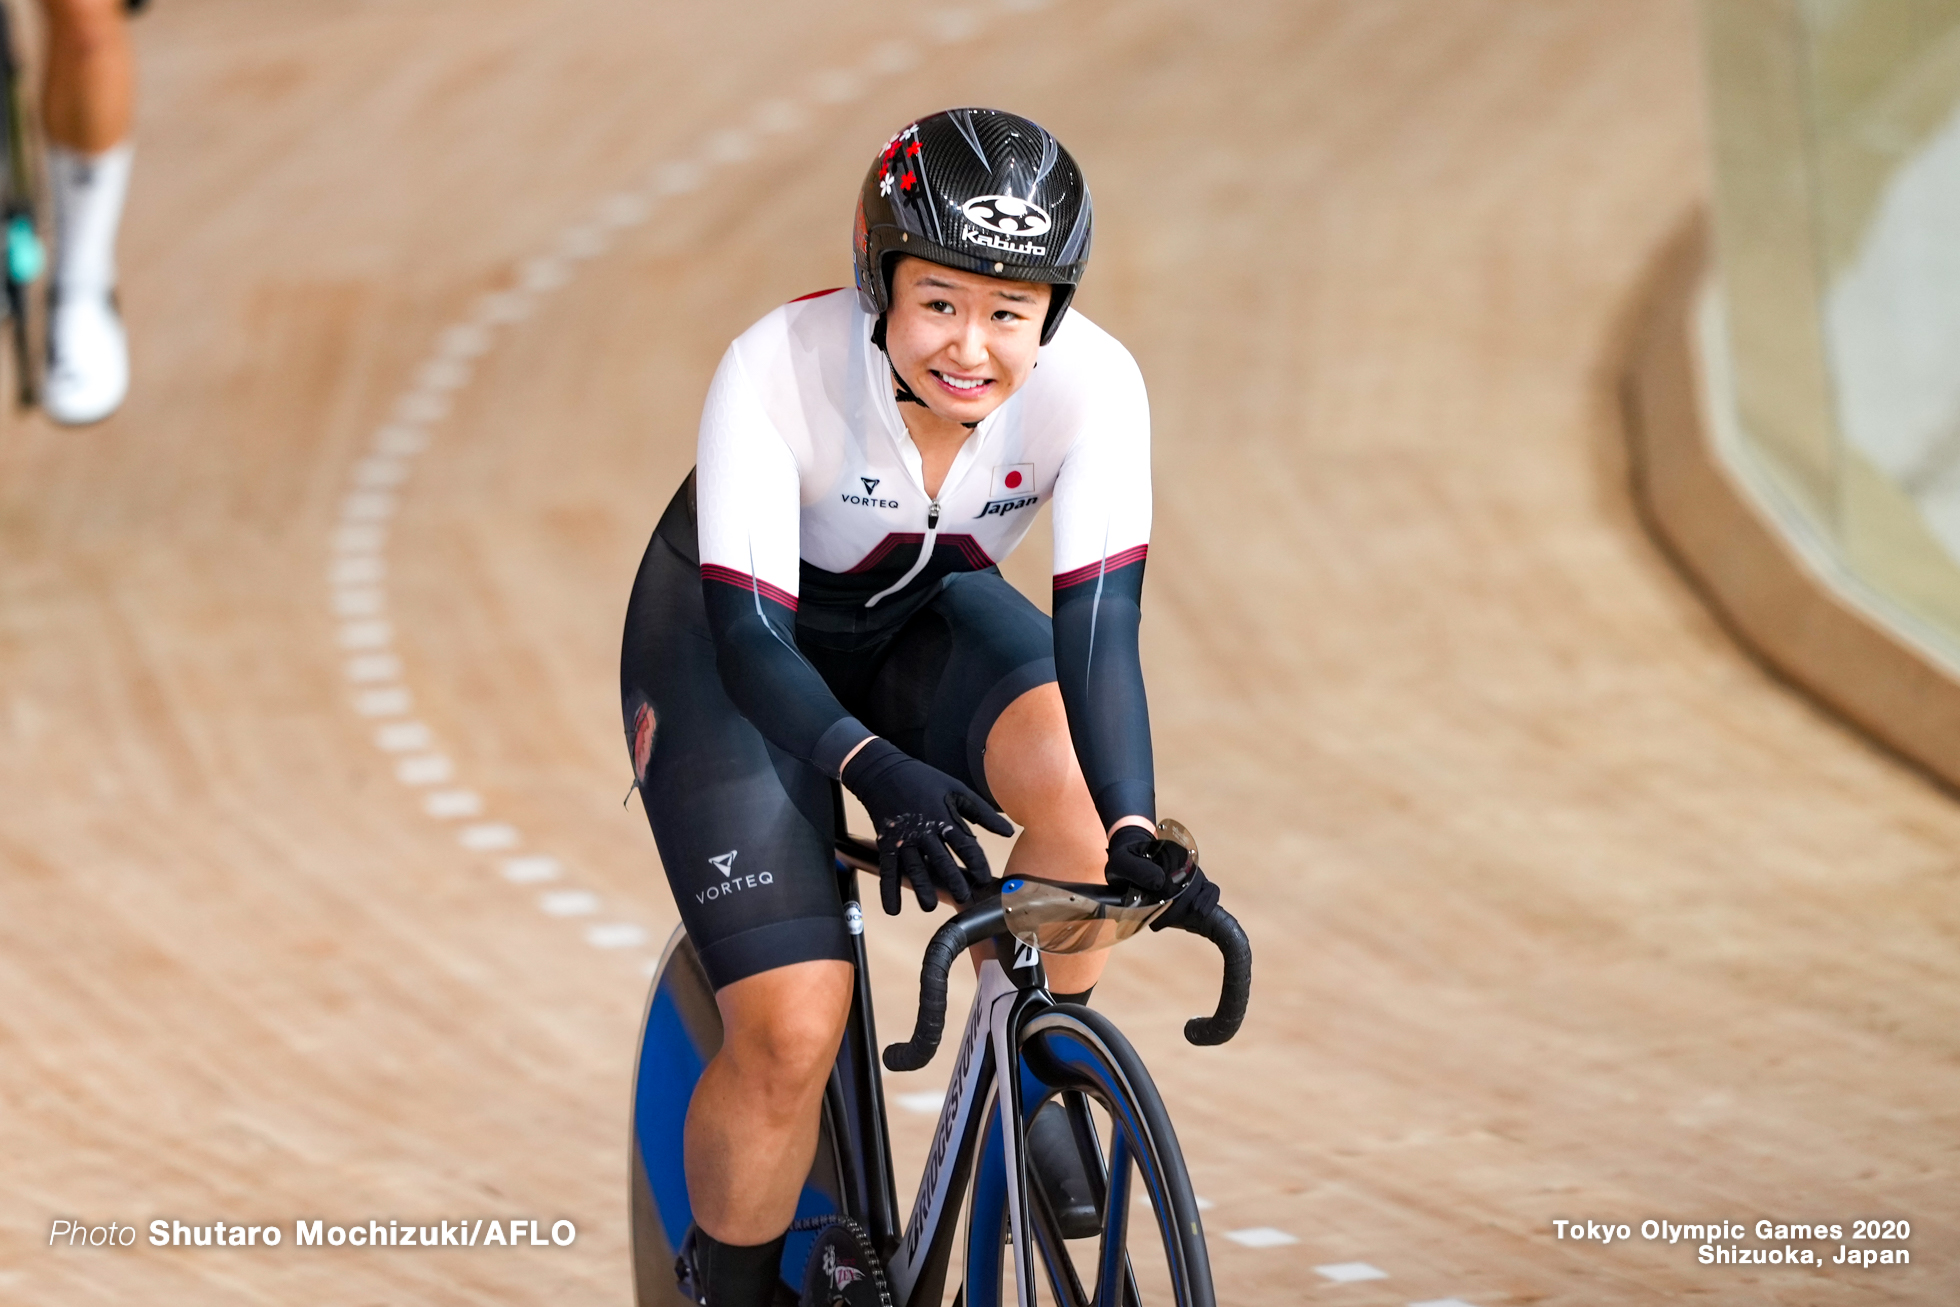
[1162, 869]
[918, 811]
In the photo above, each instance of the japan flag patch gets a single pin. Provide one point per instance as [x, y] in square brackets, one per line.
[1013, 481]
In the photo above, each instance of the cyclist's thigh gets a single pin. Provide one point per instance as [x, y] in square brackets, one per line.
[744, 829]
[956, 666]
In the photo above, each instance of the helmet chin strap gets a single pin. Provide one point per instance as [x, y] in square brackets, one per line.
[904, 393]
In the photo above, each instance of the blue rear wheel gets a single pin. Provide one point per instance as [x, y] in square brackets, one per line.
[679, 1034]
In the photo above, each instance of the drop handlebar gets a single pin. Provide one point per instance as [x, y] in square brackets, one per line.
[986, 920]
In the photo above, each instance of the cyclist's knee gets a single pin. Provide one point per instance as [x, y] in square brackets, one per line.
[1031, 764]
[1028, 746]
[782, 1028]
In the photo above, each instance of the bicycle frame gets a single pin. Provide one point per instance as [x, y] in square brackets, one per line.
[917, 1267]
[917, 1259]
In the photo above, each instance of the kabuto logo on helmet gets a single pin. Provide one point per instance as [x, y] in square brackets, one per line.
[1007, 216]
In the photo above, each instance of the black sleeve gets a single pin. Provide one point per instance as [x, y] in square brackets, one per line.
[1097, 613]
[767, 676]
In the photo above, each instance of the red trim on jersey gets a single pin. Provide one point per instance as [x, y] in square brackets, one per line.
[883, 548]
[1063, 580]
[969, 548]
[743, 581]
[816, 294]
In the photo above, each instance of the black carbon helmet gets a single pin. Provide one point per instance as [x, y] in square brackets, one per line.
[976, 189]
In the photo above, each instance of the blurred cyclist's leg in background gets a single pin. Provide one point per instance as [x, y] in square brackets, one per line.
[91, 88]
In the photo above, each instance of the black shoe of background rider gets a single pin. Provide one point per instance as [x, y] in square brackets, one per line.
[1058, 1166]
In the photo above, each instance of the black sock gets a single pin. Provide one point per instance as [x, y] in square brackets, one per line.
[733, 1275]
[1081, 999]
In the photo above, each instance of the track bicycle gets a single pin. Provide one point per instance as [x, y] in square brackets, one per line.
[848, 1248]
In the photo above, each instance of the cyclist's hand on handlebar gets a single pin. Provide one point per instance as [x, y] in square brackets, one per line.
[1195, 901]
[1138, 858]
[920, 814]
[1162, 869]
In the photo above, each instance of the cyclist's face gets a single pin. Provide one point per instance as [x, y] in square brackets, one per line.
[963, 342]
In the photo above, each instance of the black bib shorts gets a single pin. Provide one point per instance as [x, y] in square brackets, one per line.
[745, 830]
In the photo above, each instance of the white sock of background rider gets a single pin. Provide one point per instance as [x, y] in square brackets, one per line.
[87, 97]
[88, 353]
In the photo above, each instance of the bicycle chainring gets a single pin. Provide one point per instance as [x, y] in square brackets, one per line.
[843, 1270]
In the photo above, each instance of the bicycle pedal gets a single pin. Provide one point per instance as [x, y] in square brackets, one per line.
[1059, 1168]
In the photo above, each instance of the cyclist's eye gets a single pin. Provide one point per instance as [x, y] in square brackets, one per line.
[940, 306]
[1006, 315]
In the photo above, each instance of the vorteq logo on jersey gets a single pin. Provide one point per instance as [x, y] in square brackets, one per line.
[868, 499]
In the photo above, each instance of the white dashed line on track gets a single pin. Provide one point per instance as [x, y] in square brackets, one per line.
[1339, 1272]
[402, 737]
[358, 541]
[373, 634]
[617, 934]
[925, 1102]
[569, 903]
[531, 869]
[382, 703]
[424, 769]
[364, 601]
[1265, 1236]
[448, 805]
[487, 837]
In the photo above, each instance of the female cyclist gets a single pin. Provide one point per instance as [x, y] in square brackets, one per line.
[820, 601]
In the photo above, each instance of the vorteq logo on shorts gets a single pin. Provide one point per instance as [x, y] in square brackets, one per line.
[730, 883]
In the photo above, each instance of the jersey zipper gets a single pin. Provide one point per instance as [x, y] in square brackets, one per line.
[918, 564]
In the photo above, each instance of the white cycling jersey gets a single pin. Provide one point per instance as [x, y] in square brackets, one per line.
[804, 458]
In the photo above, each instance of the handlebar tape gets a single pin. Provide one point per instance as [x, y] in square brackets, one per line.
[1223, 930]
[948, 942]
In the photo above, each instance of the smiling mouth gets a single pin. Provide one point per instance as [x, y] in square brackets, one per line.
[963, 385]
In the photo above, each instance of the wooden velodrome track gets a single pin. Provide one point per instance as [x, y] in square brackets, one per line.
[1564, 909]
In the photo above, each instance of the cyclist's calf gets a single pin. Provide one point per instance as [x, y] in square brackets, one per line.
[752, 1127]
